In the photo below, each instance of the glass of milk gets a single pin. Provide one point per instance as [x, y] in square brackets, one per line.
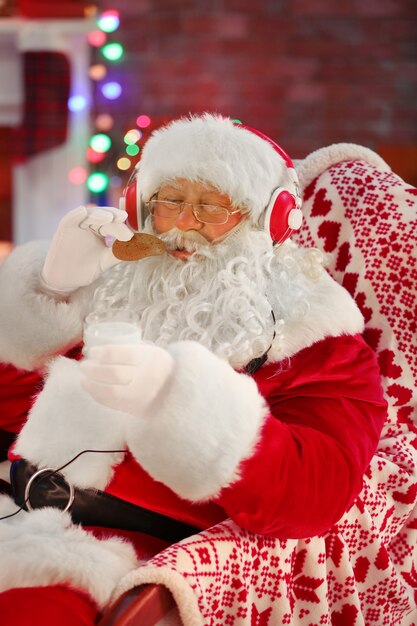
[111, 326]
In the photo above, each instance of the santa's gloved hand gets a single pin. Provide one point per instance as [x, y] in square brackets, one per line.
[78, 253]
[127, 377]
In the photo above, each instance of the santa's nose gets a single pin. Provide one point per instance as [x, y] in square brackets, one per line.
[186, 220]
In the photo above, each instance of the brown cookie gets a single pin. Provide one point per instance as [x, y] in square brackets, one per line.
[140, 246]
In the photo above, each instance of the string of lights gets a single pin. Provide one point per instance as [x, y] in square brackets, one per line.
[108, 149]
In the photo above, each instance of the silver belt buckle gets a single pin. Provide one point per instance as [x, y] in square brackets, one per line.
[38, 473]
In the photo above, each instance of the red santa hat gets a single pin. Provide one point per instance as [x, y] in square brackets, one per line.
[240, 162]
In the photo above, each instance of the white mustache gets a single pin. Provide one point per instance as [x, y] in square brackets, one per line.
[189, 240]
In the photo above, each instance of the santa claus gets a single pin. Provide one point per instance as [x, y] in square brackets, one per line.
[251, 395]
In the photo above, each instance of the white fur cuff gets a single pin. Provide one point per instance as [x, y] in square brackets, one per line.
[208, 421]
[64, 421]
[44, 548]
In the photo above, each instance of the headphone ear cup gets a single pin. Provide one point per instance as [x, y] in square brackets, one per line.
[282, 217]
[131, 203]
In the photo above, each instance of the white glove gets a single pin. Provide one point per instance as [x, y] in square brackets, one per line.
[78, 253]
[126, 377]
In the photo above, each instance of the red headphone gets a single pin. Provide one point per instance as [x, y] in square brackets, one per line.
[131, 203]
[280, 219]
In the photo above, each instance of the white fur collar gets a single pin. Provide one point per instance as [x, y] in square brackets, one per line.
[331, 312]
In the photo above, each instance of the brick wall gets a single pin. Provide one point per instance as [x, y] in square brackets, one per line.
[307, 72]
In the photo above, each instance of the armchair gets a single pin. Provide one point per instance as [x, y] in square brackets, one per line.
[363, 569]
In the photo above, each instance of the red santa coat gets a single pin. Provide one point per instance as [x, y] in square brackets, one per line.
[317, 388]
[361, 562]
[316, 391]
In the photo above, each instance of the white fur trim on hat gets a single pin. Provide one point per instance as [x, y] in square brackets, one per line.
[213, 149]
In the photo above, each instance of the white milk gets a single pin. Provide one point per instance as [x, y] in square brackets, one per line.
[104, 329]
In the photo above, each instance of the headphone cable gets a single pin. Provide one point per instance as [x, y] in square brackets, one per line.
[56, 471]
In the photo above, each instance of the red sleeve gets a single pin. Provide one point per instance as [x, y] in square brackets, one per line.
[17, 390]
[326, 414]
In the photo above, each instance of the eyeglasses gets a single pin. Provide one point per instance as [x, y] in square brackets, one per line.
[205, 213]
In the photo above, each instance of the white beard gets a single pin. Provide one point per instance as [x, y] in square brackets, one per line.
[220, 297]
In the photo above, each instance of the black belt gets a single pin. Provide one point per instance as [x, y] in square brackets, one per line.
[6, 440]
[34, 489]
